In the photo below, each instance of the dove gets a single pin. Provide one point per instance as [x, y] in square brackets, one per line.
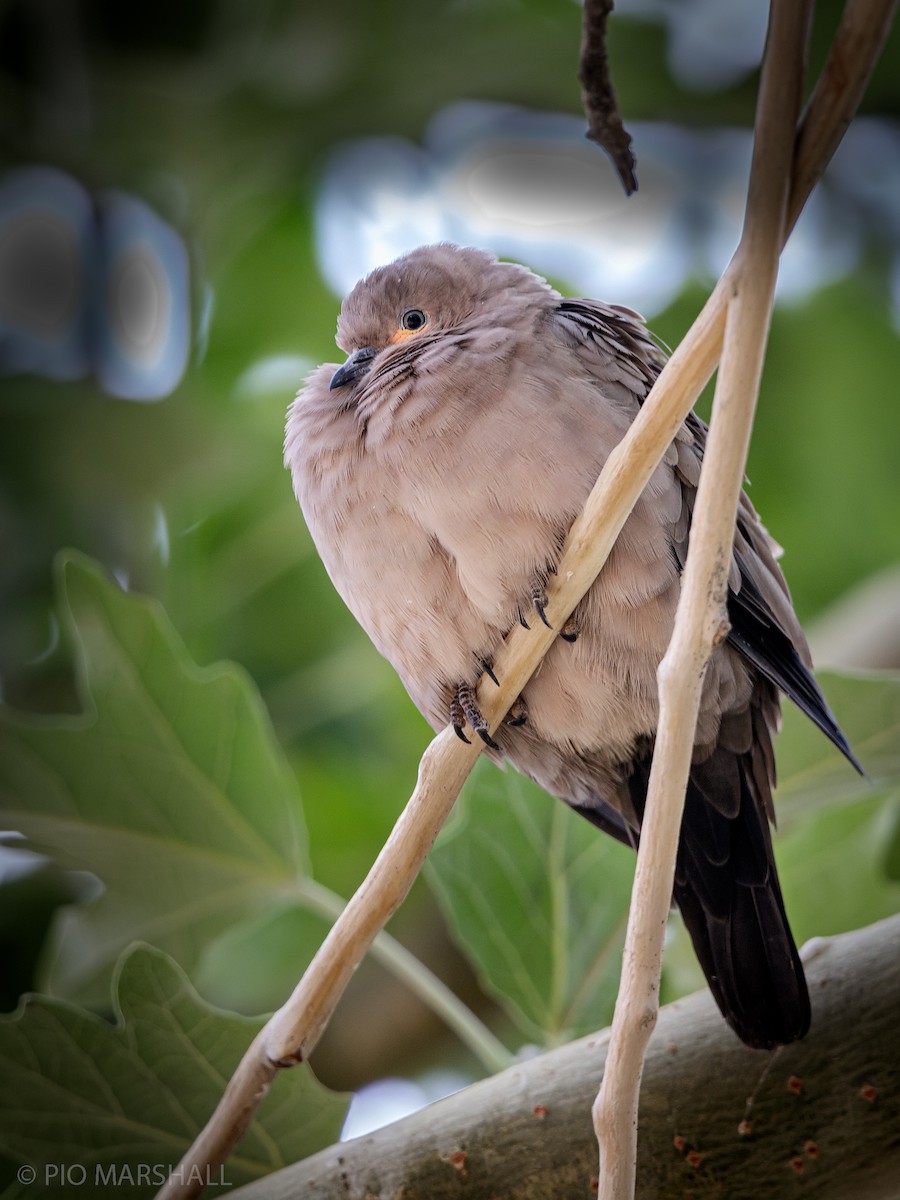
[439, 469]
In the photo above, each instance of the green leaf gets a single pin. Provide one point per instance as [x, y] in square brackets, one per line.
[81, 1095]
[539, 900]
[812, 773]
[257, 963]
[836, 847]
[832, 870]
[170, 787]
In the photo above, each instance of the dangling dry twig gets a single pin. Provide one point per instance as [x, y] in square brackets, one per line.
[605, 125]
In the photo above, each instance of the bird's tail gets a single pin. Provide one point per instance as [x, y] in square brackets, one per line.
[727, 889]
[740, 930]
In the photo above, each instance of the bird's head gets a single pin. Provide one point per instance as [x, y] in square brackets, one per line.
[430, 292]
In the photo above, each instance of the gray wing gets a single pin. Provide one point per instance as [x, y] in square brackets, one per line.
[764, 630]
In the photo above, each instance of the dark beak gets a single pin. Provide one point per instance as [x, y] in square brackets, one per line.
[355, 366]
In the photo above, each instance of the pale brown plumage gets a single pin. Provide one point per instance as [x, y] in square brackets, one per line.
[439, 470]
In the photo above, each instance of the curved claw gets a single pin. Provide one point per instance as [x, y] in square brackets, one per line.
[488, 667]
[464, 703]
[518, 713]
[539, 600]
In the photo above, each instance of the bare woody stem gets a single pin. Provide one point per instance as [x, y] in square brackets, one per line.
[701, 619]
[294, 1030]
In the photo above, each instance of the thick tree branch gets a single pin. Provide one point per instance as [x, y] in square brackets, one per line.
[294, 1030]
[717, 1119]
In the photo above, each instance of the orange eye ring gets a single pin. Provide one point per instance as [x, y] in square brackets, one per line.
[412, 321]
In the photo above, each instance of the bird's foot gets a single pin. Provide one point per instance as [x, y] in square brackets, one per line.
[464, 707]
[571, 630]
[518, 714]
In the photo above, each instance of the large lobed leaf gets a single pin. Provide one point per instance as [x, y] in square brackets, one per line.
[539, 900]
[169, 787]
[109, 1109]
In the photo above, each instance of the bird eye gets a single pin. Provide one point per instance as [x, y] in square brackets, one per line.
[412, 319]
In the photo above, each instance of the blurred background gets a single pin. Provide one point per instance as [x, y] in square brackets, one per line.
[186, 191]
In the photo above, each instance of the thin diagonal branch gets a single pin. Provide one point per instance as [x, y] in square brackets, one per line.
[406, 968]
[296, 1027]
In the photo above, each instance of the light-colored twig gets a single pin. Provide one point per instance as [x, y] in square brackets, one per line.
[409, 970]
[295, 1028]
[701, 619]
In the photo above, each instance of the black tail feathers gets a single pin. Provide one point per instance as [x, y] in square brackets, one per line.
[751, 963]
[727, 889]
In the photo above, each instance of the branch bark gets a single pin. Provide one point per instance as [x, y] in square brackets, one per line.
[701, 620]
[526, 1134]
[293, 1031]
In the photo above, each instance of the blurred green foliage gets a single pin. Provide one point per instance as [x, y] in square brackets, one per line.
[220, 115]
[122, 1103]
[169, 788]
